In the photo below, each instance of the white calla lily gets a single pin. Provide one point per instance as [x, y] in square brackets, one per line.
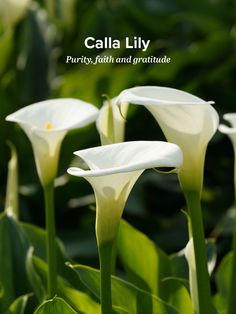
[46, 124]
[112, 172]
[114, 169]
[12, 11]
[111, 122]
[189, 122]
[185, 119]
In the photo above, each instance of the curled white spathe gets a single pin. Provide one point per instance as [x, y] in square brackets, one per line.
[46, 124]
[127, 157]
[185, 119]
[113, 170]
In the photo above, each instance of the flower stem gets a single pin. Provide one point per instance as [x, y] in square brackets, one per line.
[197, 230]
[105, 259]
[50, 239]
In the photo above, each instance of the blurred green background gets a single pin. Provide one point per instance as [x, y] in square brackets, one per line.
[200, 38]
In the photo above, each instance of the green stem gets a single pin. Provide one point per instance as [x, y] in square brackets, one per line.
[197, 230]
[105, 259]
[232, 288]
[51, 239]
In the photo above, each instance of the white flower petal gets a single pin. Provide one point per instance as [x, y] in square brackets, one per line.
[114, 170]
[46, 124]
[128, 156]
[157, 95]
[63, 114]
[185, 119]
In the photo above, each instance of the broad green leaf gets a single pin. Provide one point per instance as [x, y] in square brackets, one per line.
[220, 304]
[78, 300]
[178, 295]
[13, 247]
[124, 294]
[11, 205]
[35, 280]
[56, 305]
[223, 275]
[19, 305]
[145, 263]
[37, 238]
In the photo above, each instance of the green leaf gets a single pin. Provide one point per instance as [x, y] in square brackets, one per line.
[145, 263]
[220, 304]
[78, 300]
[178, 295]
[13, 247]
[223, 275]
[35, 280]
[19, 305]
[124, 294]
[37, 238]
[56, 305]
[11, 205]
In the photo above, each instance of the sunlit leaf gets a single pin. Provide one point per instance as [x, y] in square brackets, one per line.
[124, 294]
[19, 305]
[56, 305]
[178, 295]
[145, 263]
[78, 300]
[223, 275]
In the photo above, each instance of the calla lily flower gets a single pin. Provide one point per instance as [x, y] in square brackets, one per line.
[111, 122]
[114, 169]
[190, 122]
[46, 124]
[185, 119]
[12, 11]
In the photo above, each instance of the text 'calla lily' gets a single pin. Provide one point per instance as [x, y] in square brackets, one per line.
[46, 124]
[114, 169]
[185, 119]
